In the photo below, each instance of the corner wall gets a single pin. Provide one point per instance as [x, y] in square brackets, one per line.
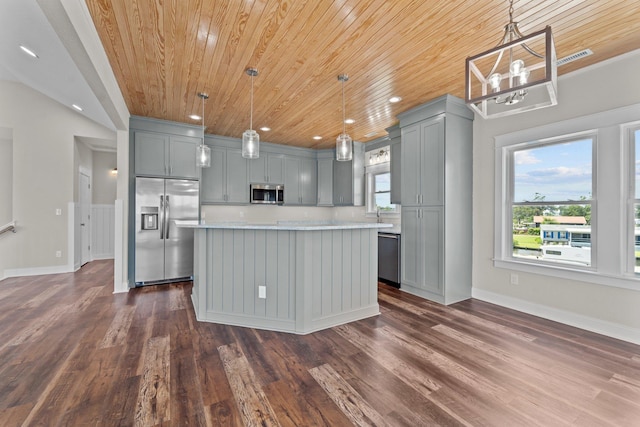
[43, 178]
[604, 309]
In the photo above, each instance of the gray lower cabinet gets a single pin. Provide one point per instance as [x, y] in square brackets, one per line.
[226, 181]
[436, 185]
[268, 168]
[422, 242]
[159, 154]
[325, 182]
[300, 181]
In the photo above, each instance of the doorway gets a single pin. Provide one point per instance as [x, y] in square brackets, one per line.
[84, 201]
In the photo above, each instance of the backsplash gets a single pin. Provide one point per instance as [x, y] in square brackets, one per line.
[270, 214]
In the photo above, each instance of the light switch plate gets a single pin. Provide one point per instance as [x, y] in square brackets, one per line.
[262, 292]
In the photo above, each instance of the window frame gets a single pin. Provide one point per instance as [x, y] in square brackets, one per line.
[371, 172]
[630, 154]
[510, 151]
[610, 206]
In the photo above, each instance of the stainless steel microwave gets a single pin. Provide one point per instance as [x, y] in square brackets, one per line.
[267, 194]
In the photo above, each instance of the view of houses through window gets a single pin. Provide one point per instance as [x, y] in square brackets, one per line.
[551, 201]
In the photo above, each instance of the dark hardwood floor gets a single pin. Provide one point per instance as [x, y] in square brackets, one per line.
[74, 354]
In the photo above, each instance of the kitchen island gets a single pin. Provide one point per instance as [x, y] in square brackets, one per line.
[296, 277]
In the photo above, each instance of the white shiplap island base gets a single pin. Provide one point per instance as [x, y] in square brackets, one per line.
[315, 275]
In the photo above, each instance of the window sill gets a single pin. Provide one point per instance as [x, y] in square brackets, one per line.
[631, 282]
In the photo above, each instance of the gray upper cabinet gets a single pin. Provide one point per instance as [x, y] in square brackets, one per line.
[423, 163]
[325, 181]
[348, 179]
[268, 168]
[226, 181]
[159, 154]
[396, 162]
[300, 181]
[436, 184]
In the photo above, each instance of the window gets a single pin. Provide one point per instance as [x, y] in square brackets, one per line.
[382, 192]
[554, 215]
[551, 200]
[635, 199]
[379, 189]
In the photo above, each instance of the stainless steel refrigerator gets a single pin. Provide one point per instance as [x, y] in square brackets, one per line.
[164, 252]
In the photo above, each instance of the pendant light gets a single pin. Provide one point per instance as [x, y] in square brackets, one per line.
[250, 138]
[344, 143]
[203, 152]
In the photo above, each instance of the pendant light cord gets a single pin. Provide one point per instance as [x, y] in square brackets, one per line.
[344, 114]
[251, 108]
[203, 120]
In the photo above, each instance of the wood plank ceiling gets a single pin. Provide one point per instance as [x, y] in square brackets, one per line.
[163, 52]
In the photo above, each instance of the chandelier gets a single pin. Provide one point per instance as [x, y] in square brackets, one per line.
[520, 74]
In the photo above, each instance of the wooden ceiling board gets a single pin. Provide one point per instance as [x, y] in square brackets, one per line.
[164, 52]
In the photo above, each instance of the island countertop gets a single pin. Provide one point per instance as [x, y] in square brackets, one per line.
[284, 225]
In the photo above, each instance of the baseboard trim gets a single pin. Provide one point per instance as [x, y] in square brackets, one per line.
[99, 257]
[37, 271]
[603, 327]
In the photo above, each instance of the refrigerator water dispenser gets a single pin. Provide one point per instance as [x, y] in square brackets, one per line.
[149, 218]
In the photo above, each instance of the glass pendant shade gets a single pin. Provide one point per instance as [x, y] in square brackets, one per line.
[344, 148]
[203, 156]
[250, 144]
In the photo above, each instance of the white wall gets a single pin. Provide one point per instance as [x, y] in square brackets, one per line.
[104, 181]
[6, 176]
[605, 309]
[43, 163]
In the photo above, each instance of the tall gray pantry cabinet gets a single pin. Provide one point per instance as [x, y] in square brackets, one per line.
[436, 185]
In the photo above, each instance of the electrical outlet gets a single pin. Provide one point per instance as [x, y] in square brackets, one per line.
[262, 292]
[58, 254]
[514, 279]
[58, 212]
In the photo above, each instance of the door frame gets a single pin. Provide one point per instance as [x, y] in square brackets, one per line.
[84, 239]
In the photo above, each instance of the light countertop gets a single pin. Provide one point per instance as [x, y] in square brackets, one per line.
[284, 225]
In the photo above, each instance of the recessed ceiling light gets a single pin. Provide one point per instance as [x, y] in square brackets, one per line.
[265, 128]
[349, 121]
[317, 137]
[395, 99]
[195, 117]
[77, 107]
[28, 51]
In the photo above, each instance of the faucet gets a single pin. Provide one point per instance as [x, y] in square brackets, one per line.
[378, 214]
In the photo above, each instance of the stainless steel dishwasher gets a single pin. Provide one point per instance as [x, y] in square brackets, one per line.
[389, 258]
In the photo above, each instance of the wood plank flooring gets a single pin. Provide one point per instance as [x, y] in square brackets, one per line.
[74, 354]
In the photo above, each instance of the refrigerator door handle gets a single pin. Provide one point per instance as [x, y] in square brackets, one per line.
[161, 217]
[167, 216]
